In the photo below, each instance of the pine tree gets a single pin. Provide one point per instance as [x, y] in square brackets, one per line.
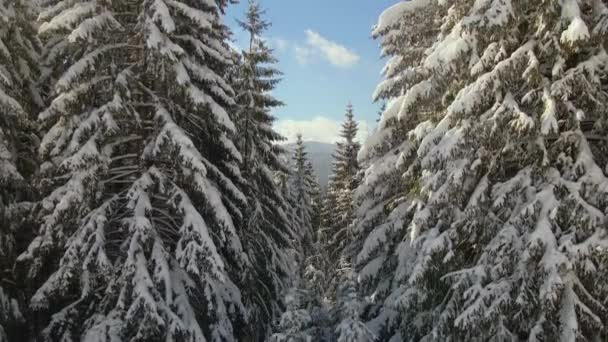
[138, 238]
[339, 210]
[303, 185]
[503, 197]
[19, 97]
[350, 327]
[270, 232]
[342, 184]
[296, 321]
[316, 197]
[385, 198]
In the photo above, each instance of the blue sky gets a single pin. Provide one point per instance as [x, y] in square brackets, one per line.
[328, 57]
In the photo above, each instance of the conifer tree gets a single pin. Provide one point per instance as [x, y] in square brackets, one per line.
[316, 199]
[342, 184]
[339, 206]
[350, 328]
[503, 197]
[19, 97]
[385, 198]
[138, 236]
[303, 185]
[269, 231]
[295, 322]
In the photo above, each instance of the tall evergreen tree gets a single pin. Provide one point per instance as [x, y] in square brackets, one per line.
[350, 328]
[19, 54]
[295, 324]
[385, 198]
[316, 197]
[503, 198]
[306, 318]
[303, 185]
[138, 238]
[269, 232]
[339, 208]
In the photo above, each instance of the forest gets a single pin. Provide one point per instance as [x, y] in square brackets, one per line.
[146, 195]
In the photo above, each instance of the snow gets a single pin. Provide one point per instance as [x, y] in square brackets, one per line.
[372, 268]
[196, 242]
[67, 98]
[577, 31]
[156, 39]
[86, 155]
[415, 93]
[372, 142]
[8, 102]
[4, 53]
[202, 19]
[203, 73]
[199, 96]
[549, 116]
[85, 64]
[226, 182]
[452, 47]
[86, 29]
[521, 121]
[229, 145]
[162, 15]
[68, 17]
[174, 134]
[214, 198]
[393, 14]
[570, 9]
[568, 317]
[472, 95]
[498, 13]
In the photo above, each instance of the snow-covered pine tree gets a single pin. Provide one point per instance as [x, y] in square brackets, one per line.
[295, 322]
[343, 182]
[310, 262]
[338, 212]
[303, 185]
[316, 198]
[19, 54]
[348, 310]
[138, 238]
[385, 199]
[506, 194]
[315, 263]
[269, 232]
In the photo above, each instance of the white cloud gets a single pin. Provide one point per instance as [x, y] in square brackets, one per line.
[303, 54]
[279, 43]
[338, 55]
[318, 129]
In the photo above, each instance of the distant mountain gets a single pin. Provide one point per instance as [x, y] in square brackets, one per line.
[320, 155]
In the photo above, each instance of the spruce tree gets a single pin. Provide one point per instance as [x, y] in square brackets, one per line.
[342, 183]
[350, 328]
[269, 232]
[311, 264]
[303, 185]
[339, 205]
[138, 236]
[316, 197]
[19, 97]
[295, 323]
[385, 198]
[502, 208]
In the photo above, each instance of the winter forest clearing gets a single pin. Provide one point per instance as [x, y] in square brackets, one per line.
[147, 196]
